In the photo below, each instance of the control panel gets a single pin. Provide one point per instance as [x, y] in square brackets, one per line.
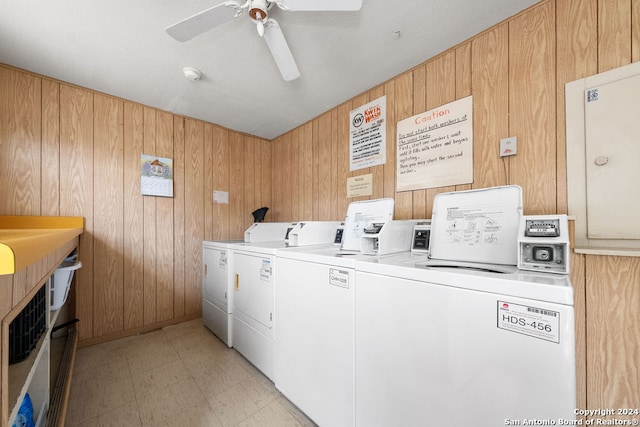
[421, 236]
[337, 240]
[543, 244]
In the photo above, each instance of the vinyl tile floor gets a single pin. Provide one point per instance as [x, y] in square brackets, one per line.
[181, 375]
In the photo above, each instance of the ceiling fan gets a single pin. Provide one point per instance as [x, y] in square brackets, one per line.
[268, 28]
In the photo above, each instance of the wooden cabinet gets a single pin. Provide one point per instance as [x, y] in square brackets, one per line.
[37, 246]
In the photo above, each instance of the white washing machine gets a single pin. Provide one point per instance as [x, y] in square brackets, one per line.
[466, 338]
[454, 346]
[314, 334]
[253, 278]
[217, 305]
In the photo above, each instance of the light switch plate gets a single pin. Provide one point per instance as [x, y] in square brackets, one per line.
[508, 146]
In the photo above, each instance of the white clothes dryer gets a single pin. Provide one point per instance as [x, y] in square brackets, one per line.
[254, 274]
[216, 275]
[217, 304]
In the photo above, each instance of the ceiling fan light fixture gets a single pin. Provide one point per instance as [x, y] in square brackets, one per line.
[267, 27]
[260, 25]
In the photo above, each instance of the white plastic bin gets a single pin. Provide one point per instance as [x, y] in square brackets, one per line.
[61, 282]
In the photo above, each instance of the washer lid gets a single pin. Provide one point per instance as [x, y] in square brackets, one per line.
[477, 225]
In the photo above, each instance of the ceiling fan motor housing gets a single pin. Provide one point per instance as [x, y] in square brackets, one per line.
[258, 9]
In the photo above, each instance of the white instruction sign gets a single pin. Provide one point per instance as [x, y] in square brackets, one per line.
[265, 270]
[339, 277]
[368, 135]
[435, 148]
[527, 320]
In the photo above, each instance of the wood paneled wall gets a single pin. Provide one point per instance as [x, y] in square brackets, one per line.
[70, 151]
[516, 72]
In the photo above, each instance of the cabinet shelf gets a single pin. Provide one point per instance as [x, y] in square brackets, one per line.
[32, 375]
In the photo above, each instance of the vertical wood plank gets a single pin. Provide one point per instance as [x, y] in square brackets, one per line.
[76, 190]
[343, 129]
[248, 193]
[635, 28]
[194, 215]
[441, 89]
[333, 184]
[108, 229]
[463, 87]
[179, 217]
[419, 105]
[307, 171]
[283, 205]
[150, 226]
[324, 167]
[614, 34]
[577, 46]
[403, 107]
[578, 282]
[220, 166]
[613, 298]
[390, 165]
[164, 230]
[315, 177]
[490, 106]
[20, 127]
[236, 186]
[50, 189]
[266, 183]
[257, 143]
[208, 181]
[532, 104]
[294, 164]
[276, 195]
[133, 244]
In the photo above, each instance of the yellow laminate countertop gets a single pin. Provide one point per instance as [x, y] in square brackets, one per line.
[26, 239]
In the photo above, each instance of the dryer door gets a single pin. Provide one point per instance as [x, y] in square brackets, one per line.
[214, 282]
[253, 292]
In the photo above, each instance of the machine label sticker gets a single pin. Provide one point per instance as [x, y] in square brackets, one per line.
[223, 260]
[339, 277]
[532, 321]
[265, 270]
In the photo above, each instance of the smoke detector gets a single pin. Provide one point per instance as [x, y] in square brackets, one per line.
[192, 74]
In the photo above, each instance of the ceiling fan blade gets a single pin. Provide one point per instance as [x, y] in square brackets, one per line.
[320, 5]
[280, 51]
[203, 21]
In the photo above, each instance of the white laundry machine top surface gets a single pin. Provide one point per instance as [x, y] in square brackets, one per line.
[473, 276]
[259, 247]
[220, 244]
[329, 255]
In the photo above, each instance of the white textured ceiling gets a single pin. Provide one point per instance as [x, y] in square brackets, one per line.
[119, 47]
